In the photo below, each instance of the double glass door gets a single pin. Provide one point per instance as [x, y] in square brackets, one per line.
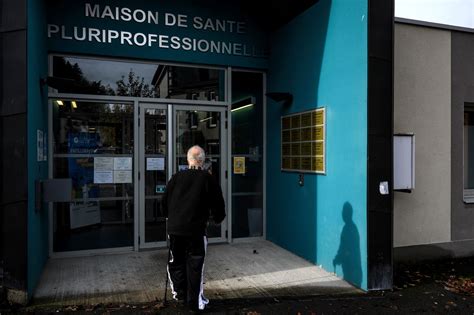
[166, 132]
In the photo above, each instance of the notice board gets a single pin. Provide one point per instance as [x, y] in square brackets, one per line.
[303, 142]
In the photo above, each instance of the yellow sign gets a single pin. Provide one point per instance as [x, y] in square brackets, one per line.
[239, 165]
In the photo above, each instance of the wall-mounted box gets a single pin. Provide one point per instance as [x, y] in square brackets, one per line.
[404, 162]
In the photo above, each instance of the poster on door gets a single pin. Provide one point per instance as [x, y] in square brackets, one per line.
[239, 165]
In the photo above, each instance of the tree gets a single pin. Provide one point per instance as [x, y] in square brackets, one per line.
[134, 86]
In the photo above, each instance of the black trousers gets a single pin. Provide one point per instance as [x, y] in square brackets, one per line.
[186, 269]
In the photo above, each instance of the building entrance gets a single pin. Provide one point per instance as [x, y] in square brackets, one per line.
[120, 156]
[123, 129]
[166, 133]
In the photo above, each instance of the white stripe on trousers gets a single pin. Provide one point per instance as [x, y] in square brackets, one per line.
[202, 299]
[175, 294]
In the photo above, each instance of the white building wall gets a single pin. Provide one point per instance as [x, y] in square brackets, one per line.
[422, 105]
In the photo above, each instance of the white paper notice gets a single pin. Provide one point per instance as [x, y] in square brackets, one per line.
[103, 164]
[155, 164]
[123, 163]
[103, 177]
[122, 177]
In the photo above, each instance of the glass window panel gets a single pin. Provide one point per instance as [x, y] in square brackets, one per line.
[110, 77]
[93, 145]
[469, 148]
[92, 225]
[247, 141]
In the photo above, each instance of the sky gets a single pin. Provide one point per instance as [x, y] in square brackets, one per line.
[450, 12]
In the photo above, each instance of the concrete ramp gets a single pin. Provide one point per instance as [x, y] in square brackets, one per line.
[256, 269]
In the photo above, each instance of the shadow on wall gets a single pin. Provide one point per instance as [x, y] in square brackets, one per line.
[295, 67]
[348, 254]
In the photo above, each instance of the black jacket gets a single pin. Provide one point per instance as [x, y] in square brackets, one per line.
[190, 198]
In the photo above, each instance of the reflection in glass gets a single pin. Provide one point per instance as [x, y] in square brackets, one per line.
[93, 145]
[247, 142]
[108, 77]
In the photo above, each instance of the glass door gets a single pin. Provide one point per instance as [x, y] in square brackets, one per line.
[206, 127]
[154, 173]
[166, 134]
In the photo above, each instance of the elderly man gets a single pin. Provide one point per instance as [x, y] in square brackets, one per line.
[190, 198]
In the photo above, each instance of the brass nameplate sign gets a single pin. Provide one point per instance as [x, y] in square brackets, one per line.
[303, 142]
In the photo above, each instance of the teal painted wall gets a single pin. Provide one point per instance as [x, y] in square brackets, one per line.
[72, 14]
[37, 120]
[321, 58]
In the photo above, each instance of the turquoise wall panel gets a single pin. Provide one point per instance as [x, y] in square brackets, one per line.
[118, 16]
[37, 120]
[321, 58]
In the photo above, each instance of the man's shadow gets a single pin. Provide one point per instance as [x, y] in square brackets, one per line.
[348, 254]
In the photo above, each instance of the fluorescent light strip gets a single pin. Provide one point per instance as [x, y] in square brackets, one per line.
[241, 107]
[205, 119]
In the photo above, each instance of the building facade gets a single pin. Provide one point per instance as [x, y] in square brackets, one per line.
[292, 103]
[433, 84]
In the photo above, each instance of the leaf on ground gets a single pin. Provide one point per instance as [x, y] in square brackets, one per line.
[463, 286]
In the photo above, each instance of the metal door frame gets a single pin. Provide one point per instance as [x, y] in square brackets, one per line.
[171, 161]
[140, 232]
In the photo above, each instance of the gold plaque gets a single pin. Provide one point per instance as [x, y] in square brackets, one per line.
[306, 148]
[295, 163]
[306, 134]
[286, 149]
[286, 136]
[295, 149]
[306, 120]
[318, 148]
[295, 135]
[318, 117]
[306, 164]
[318, 133]
[318, 164]
[303, 141]
[295, 121]
[286, 123]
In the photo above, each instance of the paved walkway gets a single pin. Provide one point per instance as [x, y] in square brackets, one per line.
[257, 269]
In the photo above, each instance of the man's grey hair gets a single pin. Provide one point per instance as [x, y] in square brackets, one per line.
[199, 156]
